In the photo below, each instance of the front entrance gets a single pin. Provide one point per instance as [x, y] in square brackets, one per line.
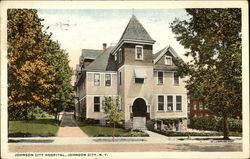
[139, 110]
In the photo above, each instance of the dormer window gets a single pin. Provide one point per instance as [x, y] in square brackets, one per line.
[138, 52]
[168, 60]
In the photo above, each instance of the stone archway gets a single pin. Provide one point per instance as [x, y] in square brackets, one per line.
[139, 108]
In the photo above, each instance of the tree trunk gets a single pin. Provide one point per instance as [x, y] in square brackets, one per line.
[225, 128]
[114, 133]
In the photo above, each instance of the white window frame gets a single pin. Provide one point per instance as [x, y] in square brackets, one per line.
[171, 61]
[174, 80]
[168, 102]
[138, 46]
[99, 83]
[162, 102]
[178, 103]
[106, 80]
[162, 78]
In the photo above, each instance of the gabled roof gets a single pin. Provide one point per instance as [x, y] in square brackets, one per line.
[90, 53]
[135, 31]
[103, 62]
[157, 56]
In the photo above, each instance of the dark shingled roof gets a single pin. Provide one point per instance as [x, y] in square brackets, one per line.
[158, 53]
[90, 53]
[104, 62]
[135, 31]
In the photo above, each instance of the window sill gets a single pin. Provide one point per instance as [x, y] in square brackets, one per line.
[169, 111]
[178, 111]
[176, 84]
[138, 59]
[160, 111]
[160, 84]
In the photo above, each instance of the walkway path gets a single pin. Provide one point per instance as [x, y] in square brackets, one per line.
[69, 128]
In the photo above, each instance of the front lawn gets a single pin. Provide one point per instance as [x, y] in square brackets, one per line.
[36, 127]
[103, 131]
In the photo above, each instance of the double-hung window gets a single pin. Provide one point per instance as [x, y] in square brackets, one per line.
[201, 105]
[96, 79]
[160, 102]
[168, 60]
[97, 104]
[170, 103]
[139, 53]
[178, 103]
[160, 77]
[120, 78]
[195, 105]
[107, 79]
[176, 79]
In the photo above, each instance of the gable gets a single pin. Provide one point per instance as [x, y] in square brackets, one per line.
[161, 62]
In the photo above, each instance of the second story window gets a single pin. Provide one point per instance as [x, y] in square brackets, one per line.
[96, 79]
[107, 79]
[139, 80]
[138, 52]
[160, 77]
[168, 60]
[176, 79]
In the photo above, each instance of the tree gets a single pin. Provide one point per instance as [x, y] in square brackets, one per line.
[38, 69]
[30, 78]
[111, 109]
[62, 93]
[213, 40]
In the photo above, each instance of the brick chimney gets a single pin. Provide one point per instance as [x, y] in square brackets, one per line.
[104, 46]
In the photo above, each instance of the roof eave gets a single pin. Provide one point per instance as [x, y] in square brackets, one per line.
[150, 42]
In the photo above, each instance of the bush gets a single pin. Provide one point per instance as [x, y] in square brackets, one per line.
[214, 123]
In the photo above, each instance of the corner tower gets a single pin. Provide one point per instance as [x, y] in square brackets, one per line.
[134, 58]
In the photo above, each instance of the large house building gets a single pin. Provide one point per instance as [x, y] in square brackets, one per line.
[146, 84]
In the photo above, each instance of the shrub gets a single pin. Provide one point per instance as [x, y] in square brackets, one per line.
[214, 123]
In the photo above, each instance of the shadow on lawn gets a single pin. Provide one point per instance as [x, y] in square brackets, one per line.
[42, 121]
[19, 134]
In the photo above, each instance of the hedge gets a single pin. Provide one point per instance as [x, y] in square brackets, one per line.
[214, 123]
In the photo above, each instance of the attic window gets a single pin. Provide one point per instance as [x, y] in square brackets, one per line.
[168, 60]
[138, 52]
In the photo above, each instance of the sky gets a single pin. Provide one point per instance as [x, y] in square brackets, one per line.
[78, 29]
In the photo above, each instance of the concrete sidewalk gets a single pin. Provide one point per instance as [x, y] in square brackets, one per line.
[127, 140]
[69, 128]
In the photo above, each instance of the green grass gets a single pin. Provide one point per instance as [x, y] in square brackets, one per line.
[95, 130]
[36, 127]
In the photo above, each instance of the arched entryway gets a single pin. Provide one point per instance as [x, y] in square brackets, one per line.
[139, 108]
[139, 113]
